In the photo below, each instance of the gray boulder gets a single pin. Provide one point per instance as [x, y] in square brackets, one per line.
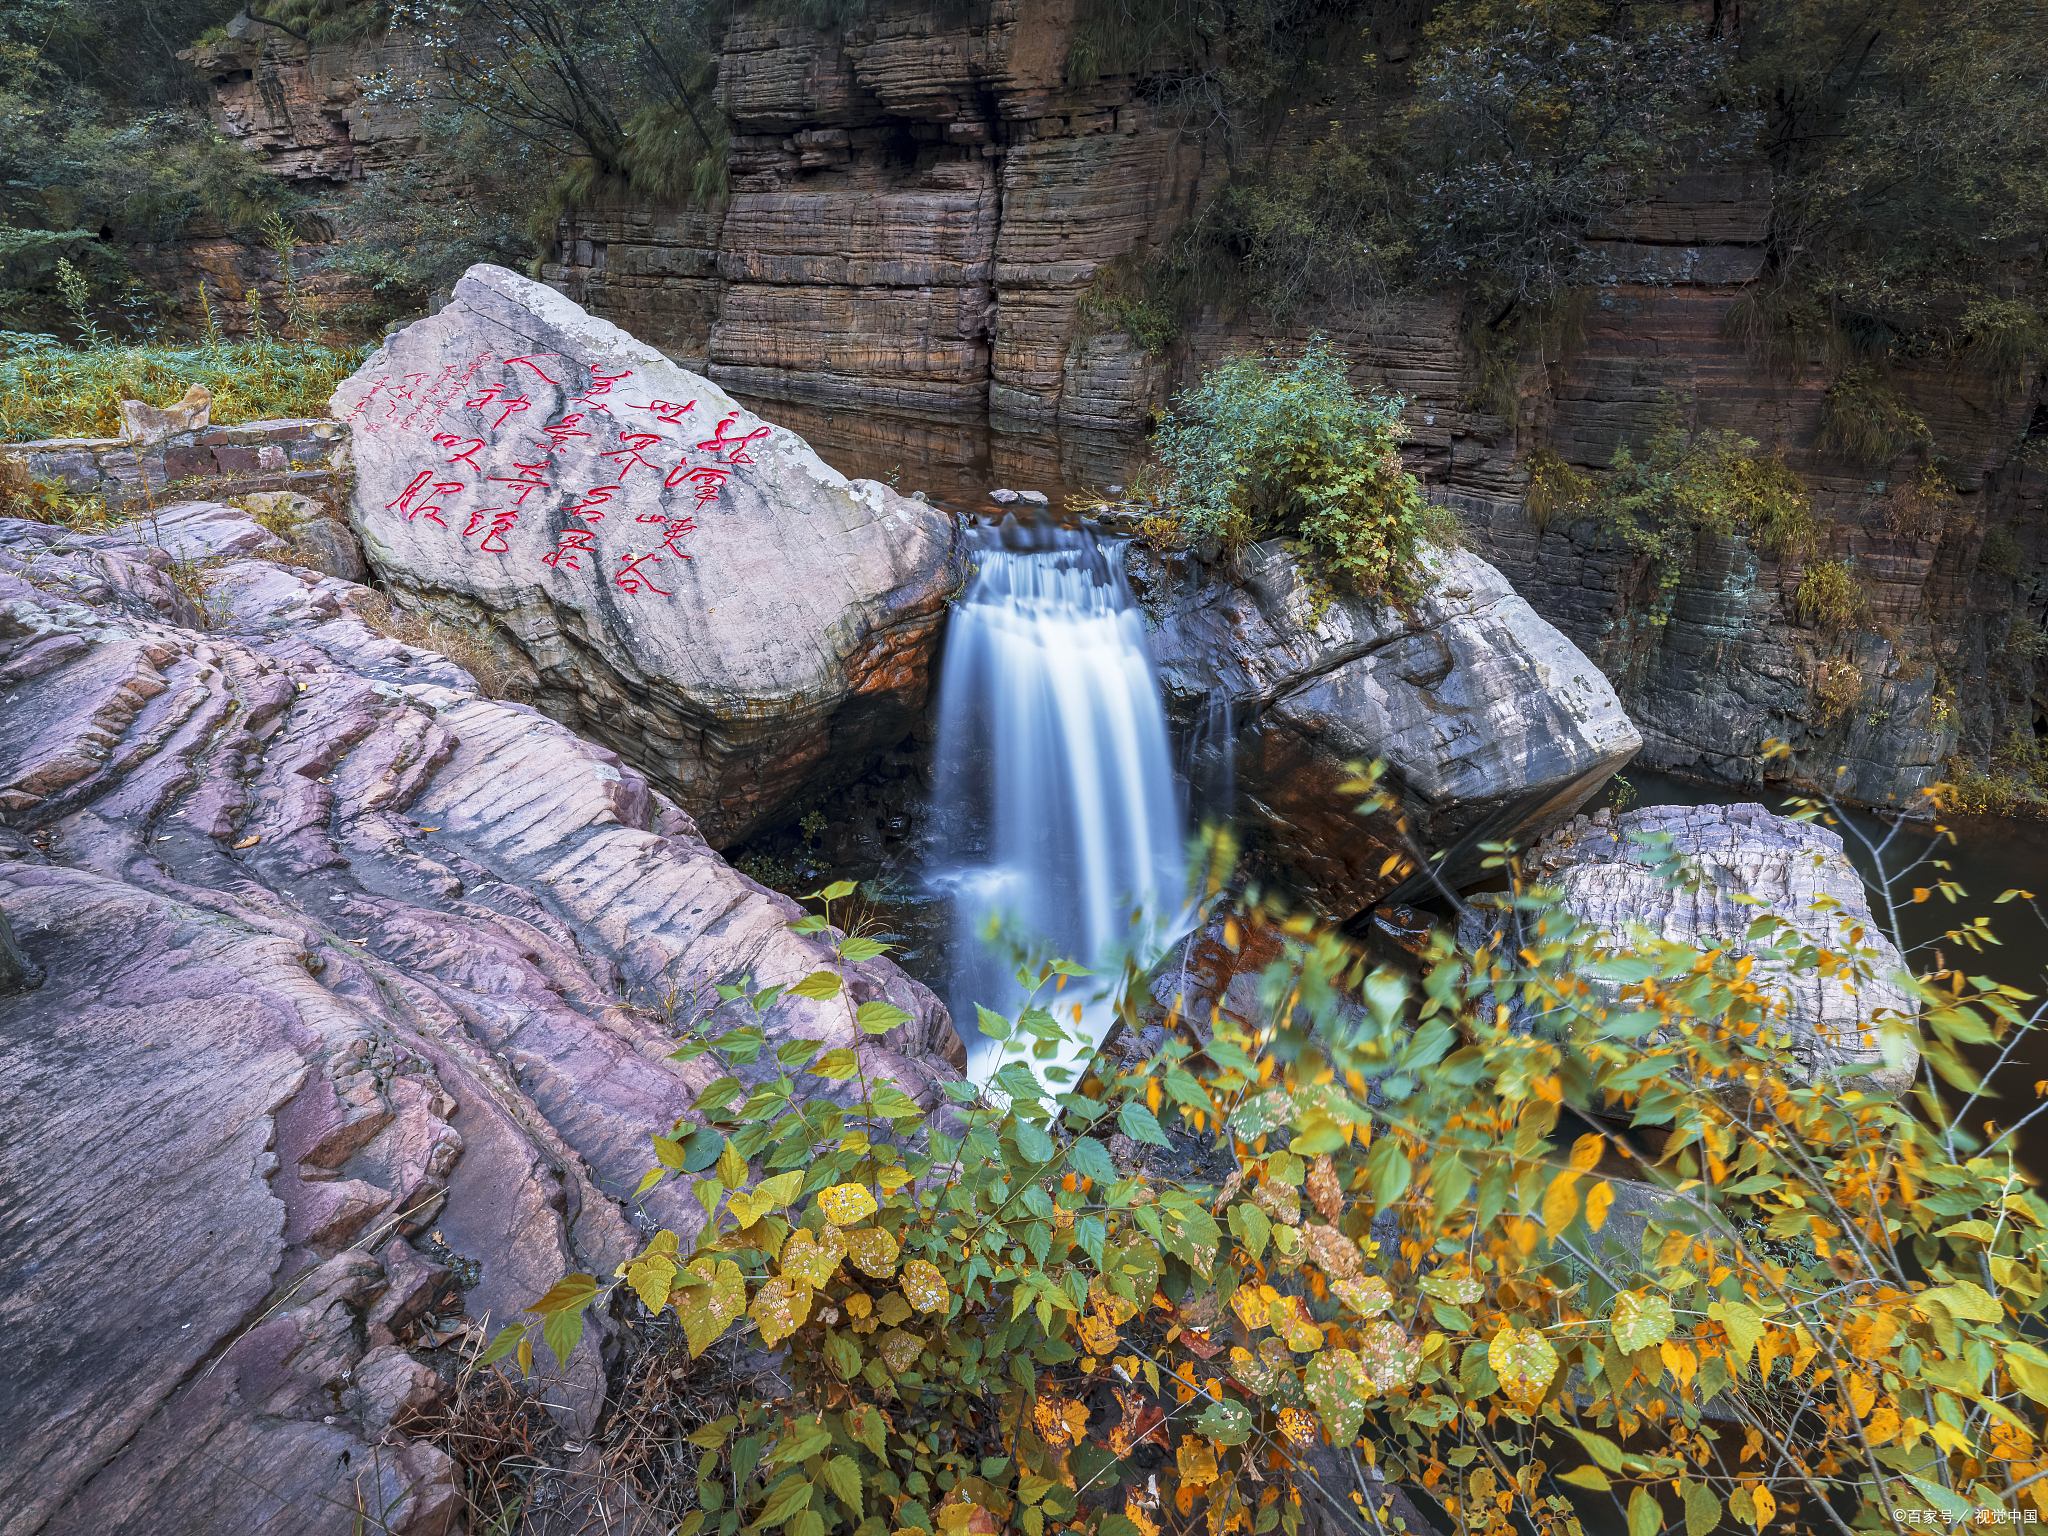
[1795, 870]
[1493, 726]
[690, 585]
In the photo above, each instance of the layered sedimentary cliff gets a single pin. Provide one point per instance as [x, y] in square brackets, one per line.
[922, 205]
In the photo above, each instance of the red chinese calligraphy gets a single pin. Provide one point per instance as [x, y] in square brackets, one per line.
[707, 478]
[732, 448]
[631, 577]
[559, 432]
[529, 479]
[672, 528]
[468, 445]
[528, 362]
[631, 459]
[502, 519]
[574, 541]
[413, 500]
[668, 410]
[594, 498]
[600, 386]
[494, 394]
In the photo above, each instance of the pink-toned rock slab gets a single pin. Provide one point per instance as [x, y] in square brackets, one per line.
[351, 976]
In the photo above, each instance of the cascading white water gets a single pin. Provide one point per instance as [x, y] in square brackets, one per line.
[1056, 793]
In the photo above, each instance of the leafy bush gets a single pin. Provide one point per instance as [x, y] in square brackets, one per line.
[1829, 595]
[1265, 446]
[1631, 1256]
[47, 390]
[1690, 480]
[1867, 419]
[2012, 782]
[1554, 486]
[1837, 687]
[2000, 553]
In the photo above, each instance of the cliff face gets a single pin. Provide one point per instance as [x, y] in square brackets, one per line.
[921, 206]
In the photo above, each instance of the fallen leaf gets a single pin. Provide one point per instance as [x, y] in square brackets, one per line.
[248, 842]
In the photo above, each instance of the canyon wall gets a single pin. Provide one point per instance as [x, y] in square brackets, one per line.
[922, 205]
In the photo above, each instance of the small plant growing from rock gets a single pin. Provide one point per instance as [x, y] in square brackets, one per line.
[1829, 595]
[1265, 446]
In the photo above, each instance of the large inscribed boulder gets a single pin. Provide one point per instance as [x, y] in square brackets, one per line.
[686, 583]
[1493, 726]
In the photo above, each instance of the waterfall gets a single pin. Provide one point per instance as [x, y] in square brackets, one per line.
[1059, 815]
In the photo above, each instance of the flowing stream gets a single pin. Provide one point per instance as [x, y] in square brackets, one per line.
[1058, 811]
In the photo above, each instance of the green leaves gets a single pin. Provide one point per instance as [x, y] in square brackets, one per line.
[1138, 1123]
[838, 1064]
[878, 1017]
[842, 1476]
[708, 1309]
[1227, 1422]
[1340, 1388]
[785, 1499]
[819, 986]
[1642, 1320]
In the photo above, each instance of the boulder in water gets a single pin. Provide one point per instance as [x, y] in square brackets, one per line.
[1796, 871]
[1493, 726]
[690, 585]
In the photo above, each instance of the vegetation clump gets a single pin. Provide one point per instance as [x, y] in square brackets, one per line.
[50, 390]
[1635, 1257]
[1271, 446]
[1829, 595]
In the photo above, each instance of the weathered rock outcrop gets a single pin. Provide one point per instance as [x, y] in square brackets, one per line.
[688, 584]
[1608, 876]
[1493, 725]
[359, 990]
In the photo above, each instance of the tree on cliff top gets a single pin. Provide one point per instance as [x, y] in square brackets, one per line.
[1551, 1224]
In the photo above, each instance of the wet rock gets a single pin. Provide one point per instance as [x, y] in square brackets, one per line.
[350, 955]
[1794, 870]
[692, 586]
[1493, 726]
[1005, 497]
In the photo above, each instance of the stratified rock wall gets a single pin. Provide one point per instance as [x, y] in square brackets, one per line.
[924, 209]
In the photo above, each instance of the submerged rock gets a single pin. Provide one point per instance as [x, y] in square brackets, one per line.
[1493, 726]
[690, 585]
[354, 981]
[1608, 876]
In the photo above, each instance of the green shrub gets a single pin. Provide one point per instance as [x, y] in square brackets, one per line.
[1867, 419]
[1554, 487]
[2000, 554]
[1265, 446]
[1691, 480]
[1829, 595]
[47, 390]
[1538, 1273]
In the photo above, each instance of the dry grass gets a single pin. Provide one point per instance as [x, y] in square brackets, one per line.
[496, 677]
[640, 1473]
[40, 501]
